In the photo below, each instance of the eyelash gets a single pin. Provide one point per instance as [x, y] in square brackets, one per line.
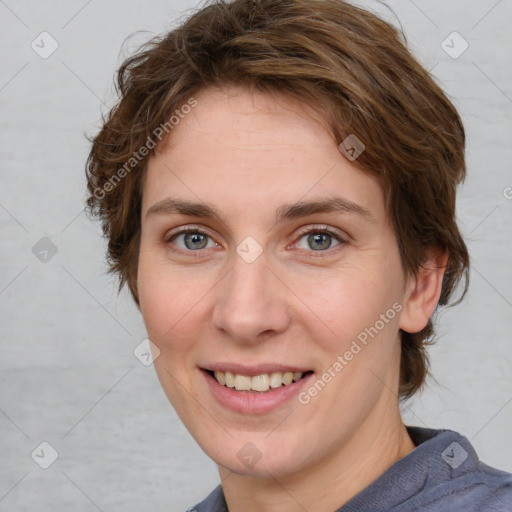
[302, 233]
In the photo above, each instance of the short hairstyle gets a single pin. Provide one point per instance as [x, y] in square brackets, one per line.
[351, 65]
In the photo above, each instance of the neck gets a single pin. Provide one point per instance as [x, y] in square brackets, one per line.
[375, 446]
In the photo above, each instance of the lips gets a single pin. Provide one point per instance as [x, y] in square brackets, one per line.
[252, 392]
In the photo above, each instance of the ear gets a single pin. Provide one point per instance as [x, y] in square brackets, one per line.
[423, 292]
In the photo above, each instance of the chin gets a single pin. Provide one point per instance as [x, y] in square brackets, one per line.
[256, 458]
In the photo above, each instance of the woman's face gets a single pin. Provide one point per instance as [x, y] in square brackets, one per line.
[266, 289]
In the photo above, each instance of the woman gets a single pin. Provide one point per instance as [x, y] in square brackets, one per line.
[277, 183]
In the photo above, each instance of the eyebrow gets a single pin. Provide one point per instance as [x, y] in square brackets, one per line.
[300, 209]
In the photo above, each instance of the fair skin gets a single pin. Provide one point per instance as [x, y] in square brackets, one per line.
[296, 305]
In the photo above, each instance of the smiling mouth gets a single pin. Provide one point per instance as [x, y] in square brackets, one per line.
[258, 383]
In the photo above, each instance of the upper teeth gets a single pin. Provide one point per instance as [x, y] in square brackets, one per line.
[258, 382]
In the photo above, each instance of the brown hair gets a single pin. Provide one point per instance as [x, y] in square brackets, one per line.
[345, 60]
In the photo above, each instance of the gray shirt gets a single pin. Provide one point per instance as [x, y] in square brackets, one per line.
[442, 474]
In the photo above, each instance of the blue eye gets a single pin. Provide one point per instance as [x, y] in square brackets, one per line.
[193, 239]
[320, 240]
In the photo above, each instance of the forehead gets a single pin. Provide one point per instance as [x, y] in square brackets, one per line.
[245, 123]
[267, 149]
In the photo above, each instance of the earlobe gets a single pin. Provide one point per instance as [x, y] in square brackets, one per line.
[423, 292]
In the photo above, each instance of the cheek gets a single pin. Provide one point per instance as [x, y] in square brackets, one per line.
[166, 297]
[349, 300]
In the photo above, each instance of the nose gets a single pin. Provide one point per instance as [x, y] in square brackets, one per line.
[251, 302]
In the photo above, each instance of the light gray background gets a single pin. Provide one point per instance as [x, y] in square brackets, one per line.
[68, 373]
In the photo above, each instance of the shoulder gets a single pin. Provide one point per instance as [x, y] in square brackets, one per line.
[485, 490]
[459, 480]
[490, 489]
